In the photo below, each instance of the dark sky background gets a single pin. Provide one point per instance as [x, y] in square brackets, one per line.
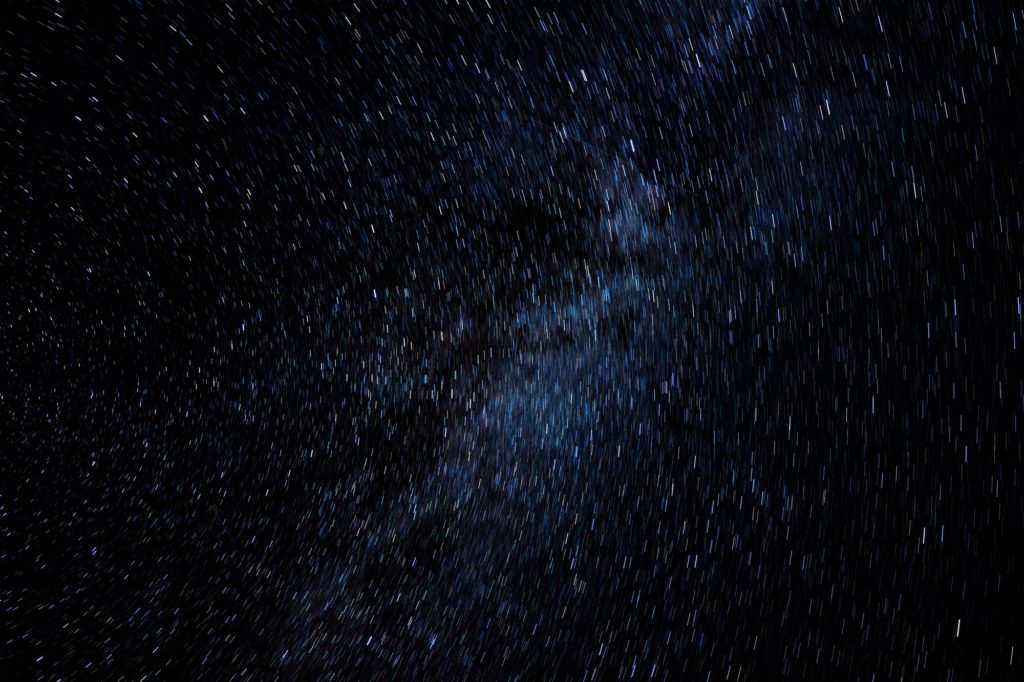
[485, 340]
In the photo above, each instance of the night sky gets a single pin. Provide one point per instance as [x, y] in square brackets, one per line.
[481, 340]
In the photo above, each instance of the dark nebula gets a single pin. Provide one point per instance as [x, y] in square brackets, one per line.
[484, 340]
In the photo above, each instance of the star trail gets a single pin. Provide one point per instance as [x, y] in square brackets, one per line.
[672, 340]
